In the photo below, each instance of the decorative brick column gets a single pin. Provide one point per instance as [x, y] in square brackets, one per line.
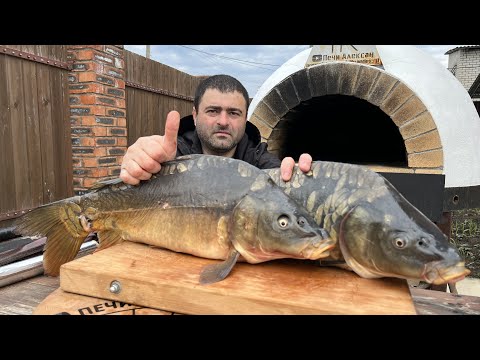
[97, 113]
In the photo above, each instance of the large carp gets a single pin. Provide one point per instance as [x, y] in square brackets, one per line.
[379, 233]
[209, 206]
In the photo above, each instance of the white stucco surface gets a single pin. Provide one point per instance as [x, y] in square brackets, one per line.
[288, 68]
[450, 105]
[444, 96]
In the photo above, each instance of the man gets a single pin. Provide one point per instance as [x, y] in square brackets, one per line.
[218, 126]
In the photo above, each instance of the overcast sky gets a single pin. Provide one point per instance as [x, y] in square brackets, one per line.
[251, 64]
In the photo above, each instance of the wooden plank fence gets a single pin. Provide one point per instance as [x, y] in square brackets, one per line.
[35, 145]
[35, 130]
[152, 90]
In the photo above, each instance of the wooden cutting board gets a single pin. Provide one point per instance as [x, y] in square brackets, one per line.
[162, 279]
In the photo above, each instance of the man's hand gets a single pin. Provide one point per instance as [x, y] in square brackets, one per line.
[286, 168]
[144, 157]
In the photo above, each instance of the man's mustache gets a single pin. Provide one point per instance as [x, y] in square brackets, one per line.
[221, 128]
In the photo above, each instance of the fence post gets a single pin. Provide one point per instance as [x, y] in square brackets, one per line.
[97, 112]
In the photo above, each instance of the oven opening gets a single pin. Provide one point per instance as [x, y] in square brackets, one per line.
[340, 128]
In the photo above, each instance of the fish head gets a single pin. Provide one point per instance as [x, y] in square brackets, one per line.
[389, 237]
[269, 225]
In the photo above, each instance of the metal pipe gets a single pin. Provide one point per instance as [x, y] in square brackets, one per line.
[28, 268]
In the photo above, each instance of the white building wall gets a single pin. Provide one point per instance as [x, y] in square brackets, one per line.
[468, 65]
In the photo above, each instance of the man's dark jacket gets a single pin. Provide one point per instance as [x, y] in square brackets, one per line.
[249, 149]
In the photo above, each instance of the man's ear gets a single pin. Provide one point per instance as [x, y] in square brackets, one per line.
[194, 114]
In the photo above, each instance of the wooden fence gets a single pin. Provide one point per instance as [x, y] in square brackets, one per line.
[35, 132]
[152, 90]
[35, 144]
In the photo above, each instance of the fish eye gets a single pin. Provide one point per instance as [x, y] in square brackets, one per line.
[283, 221]
[400, 243]
[301, 221]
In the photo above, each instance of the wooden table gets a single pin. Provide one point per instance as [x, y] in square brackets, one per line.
[431, 302]
[23, 297]
[266, 288]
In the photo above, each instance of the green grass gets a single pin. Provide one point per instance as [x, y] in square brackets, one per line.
[465, 236]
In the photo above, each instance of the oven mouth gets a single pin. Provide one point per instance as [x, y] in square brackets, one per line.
[350, 112]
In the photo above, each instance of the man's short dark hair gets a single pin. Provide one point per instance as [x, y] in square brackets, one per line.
[223, 83]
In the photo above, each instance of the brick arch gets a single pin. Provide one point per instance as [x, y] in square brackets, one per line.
[391, 95]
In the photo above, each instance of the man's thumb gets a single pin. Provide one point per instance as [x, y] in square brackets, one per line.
[171, 130]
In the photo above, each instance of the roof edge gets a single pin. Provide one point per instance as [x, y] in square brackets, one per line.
[470, 47]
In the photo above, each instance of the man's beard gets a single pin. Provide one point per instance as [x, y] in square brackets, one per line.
[214, 144]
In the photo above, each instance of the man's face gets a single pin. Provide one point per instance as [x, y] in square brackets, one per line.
[220, 121]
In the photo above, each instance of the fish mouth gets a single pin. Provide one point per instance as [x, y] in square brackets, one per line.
[438, 272]
[318, 249]
[314, 250]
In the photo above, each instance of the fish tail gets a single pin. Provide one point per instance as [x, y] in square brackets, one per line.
[60, 223]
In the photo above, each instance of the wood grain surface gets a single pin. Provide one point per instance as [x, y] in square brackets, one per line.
[162, 279]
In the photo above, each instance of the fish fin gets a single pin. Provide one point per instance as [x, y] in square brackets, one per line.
[59, 250]
[108, 238]
[102, 183]
[59, 222]
[216, 272]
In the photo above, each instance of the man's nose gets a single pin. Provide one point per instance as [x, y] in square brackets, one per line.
[222, 118]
